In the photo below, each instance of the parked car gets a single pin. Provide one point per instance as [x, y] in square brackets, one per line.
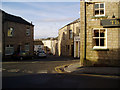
[41, 54]
[49, 53]
[21, 55]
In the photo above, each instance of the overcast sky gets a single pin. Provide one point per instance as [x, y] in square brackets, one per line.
[48, 17]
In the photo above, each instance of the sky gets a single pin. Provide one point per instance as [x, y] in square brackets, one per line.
[48, 17]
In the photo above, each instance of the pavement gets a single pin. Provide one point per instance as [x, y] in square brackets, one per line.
[76, 68]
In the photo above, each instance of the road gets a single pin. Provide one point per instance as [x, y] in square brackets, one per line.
[40, 73]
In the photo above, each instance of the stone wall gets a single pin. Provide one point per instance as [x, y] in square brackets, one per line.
[64, 41]
[19, 36]
[111, 55]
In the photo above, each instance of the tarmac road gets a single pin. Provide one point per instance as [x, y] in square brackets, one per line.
[58, 81]
[41, 73]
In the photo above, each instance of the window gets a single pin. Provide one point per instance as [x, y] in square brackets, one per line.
[27, 47]
[28, 32]
[9, 50]
[99, 9]
[77, 31]
[70, 34]
[10, 32]
[99, 38]
[63, 36]
[67, 48]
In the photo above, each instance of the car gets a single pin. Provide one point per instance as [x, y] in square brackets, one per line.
[21, 55]
[41, 54]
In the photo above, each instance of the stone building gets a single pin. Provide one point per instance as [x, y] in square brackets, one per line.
[100, 32]
[17, 35]
[50, 46]
[38, 45]
[67, 46]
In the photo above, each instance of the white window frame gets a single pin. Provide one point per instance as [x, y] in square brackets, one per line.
[63, 35]
[28, 32]
[70, 34]
[27, 47]
[11, 29]
[9, 47]
[99, 9]
[100, 47]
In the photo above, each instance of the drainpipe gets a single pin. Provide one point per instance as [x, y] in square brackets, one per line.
[85, 31]
[3, 35]
[73, 39]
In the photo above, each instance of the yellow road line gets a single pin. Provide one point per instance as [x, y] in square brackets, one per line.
[93, 75]
[104, 76]
[57, 69]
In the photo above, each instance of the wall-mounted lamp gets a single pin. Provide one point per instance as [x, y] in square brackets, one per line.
[113, 16]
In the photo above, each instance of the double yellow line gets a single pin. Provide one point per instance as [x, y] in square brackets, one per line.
[58, 68]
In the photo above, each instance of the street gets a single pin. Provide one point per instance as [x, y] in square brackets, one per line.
[36, 66]
[40, 73]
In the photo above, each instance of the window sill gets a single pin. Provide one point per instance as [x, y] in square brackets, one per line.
[8, 54]
[98, 17]
[27, 35]
[10, 36]
[100, 49]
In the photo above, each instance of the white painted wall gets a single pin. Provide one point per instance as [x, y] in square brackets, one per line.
[51, 44]
[38, 47]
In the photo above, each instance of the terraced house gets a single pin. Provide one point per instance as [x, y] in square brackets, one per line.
[17, 35]
[100, 32]
[68, 40]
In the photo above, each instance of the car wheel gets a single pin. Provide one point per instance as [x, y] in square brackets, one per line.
[21, 58]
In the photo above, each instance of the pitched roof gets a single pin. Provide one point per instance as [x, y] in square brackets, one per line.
[75, 21]
[12, 18]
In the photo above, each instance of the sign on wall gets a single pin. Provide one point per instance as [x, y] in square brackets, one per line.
[110, 23]
[77, 38]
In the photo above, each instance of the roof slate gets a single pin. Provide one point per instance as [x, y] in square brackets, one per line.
[12, 18]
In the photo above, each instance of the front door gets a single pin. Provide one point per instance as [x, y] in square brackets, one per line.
[19, 48]
[77, 49]
[72, 50]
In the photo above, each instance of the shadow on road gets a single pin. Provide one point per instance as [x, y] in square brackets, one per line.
[48, 58]
[58, 81]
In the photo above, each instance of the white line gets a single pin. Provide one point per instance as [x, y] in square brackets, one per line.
[104, 76]
[43, 71]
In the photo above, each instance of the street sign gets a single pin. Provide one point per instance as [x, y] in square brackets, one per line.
[77, 38]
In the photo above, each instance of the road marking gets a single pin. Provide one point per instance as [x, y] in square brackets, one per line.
[35, 62]
[58, 68]
[13, 70]
[29, 72]
[94, 75]
[43, 71]
[3, 69]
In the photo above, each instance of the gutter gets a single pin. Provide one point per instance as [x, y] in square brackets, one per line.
[85, 32]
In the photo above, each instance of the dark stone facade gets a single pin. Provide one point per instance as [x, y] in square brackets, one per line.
[20, 37]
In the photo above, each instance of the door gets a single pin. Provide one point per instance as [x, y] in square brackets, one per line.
[72, 50]
[77, 49]
[19, 48]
